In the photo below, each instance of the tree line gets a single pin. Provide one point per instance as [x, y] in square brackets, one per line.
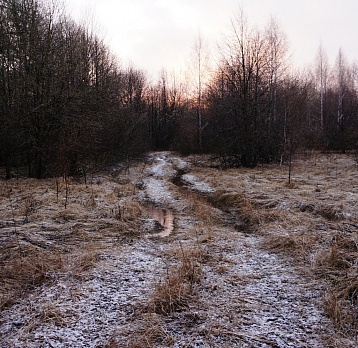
[66, 103]
[259, 110]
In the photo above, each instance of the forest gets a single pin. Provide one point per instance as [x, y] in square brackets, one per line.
[68, 105]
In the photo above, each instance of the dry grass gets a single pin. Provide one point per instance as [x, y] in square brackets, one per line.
[154, 334]
[251, 213]
[349, 288]
[296, 246]
[130, 211]
[338, 266]
[314, 220]
[291, 185]
[177, 289]
[149, 333]
[343, 315]
[86, 260]
[175, 292]
[335, 259]
[171, 295]
[30, 205]
[22, 274]
[202, 209]
[248, 214]
[49, 313]
[31, 270]
[50, 227]
[329, 212]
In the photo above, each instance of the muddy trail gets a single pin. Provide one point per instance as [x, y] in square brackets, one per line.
[168, 254]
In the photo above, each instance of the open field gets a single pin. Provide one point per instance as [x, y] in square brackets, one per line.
[247, 260]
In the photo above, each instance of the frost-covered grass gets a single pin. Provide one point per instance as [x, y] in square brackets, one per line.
[196, 184]
[252, 261]
[313, 221]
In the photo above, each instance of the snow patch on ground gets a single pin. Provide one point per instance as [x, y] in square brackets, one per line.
[179, 163]
[286, 305]
[196, 184]
[84, 313]
[160, 167]
[157, 192]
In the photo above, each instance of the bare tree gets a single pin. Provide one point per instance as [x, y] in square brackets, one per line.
[199, 71]
[341, 80]
[61, 93]
[164, 111]
[321, 75]
[243, 84]
[276, 64]
[345, 94]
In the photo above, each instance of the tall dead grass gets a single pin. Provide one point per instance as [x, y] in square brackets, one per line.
[177, 289]
[227, 200]
[339, 266]
[174, 292]
[154, 334]
[343, 312]
[149, 332]
[327, 211]
[29, 268]
[202, 209]
[296, 246]
[21, 274]
[250, 215]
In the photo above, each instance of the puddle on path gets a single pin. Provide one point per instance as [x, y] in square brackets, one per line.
[165, 219]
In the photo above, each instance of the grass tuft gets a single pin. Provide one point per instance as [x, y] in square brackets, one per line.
[19, 275]
[149, 333]
[171, 295]
[178, 288]
[343, 315]
[249, 215]
[330, 212]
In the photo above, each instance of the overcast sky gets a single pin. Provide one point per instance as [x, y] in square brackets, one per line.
[156, 34]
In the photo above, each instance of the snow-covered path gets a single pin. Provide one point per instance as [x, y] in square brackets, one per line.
[258, 299]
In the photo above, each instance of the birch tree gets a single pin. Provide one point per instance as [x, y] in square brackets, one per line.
[276, 64]
[341, 80]
[321, 75]
[199, 75]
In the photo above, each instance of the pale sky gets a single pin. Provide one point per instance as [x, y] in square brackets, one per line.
[157, 34]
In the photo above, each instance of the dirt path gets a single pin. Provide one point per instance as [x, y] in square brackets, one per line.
[233, 293]
[248, 297]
